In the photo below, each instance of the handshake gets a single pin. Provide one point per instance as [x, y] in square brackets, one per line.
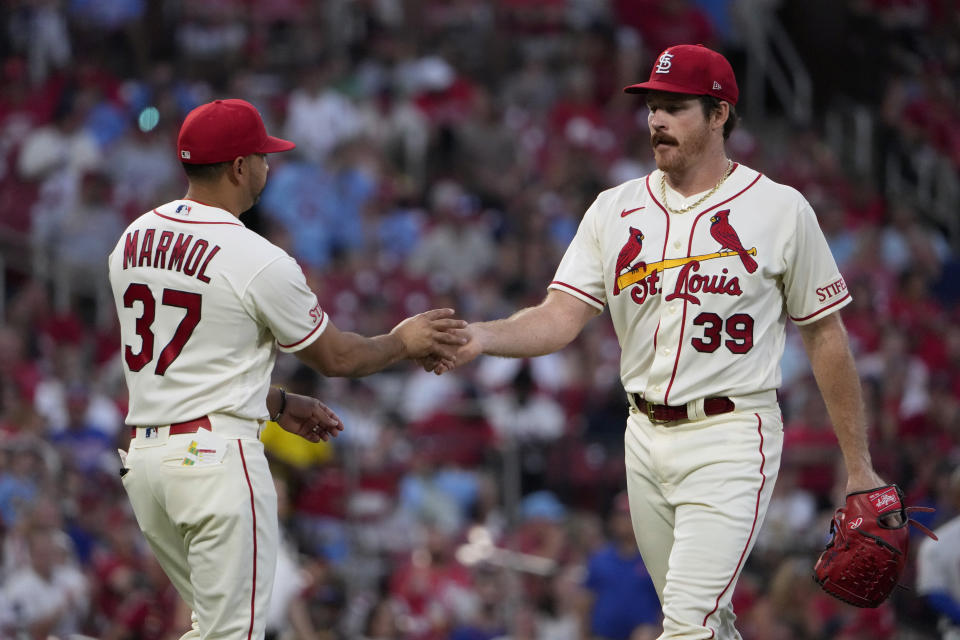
[437, 341]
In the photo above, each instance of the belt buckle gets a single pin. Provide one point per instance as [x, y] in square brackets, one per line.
[650, 416]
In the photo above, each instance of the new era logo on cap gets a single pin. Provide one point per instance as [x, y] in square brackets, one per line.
[692, 69]
[184, 154]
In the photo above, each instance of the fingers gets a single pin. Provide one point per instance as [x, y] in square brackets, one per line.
[429, 363]
[448, 324]
[444, 352]
[437, 314]
[322, 424]
[444, 337]
[327, 414]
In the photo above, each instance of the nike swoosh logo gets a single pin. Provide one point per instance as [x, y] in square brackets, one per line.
[626, 212]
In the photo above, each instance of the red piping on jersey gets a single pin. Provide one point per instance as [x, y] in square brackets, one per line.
[314, 330]
[235, 224]
[253, 510]
[818, 312]
[663, 256]
[719, 204]
[693, 227]
[753, 527]
[580, 291]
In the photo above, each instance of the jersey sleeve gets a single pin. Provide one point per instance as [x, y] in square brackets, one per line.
[813, 286]
[280, 298]
[581, 270]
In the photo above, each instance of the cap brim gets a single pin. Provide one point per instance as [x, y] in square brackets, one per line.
[275, 145]
[659, 85]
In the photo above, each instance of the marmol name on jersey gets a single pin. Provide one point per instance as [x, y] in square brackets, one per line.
[185, 252]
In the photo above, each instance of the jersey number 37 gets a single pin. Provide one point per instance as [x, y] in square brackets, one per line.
[191, 302]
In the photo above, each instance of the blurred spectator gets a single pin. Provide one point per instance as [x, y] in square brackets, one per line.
[809, 444]
[665, 23]
[143, 168]
[790, 523]
[50, 595]
[908, 244]
[488, 618]
[21, 477]
[80, 236]
[289, 611]
[211, 37]
[62, 147]
[382, 622]
[38, 30]
[82, 446]
[432, 587]
[619, 599]
[520, 414]
[458, 249]
[320, 204]
[319, 116]
[938, 568]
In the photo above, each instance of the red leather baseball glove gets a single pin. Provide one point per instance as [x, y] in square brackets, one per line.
[863, 562]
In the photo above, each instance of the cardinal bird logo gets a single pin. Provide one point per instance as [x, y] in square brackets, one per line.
[628, 254]
[727, 236]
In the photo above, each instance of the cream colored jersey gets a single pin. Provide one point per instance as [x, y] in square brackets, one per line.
[204, 303]
[699, 300]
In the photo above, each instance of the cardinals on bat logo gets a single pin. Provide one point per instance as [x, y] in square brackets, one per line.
[727, 236]
[628, 254]
[630, 271]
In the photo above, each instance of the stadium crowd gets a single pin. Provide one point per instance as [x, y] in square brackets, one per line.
[446, 151]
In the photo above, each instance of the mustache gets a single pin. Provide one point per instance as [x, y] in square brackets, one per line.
[659, 138]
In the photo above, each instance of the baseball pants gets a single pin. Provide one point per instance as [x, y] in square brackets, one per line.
[212, 526]
[698, 494]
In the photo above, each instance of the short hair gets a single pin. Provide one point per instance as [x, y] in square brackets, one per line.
[205, 172]
[710, 104]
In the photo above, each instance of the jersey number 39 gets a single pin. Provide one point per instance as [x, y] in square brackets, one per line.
[191, 302]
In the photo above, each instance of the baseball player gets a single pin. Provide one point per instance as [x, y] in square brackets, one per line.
[938, 569]
[701, 264]
[204, 304]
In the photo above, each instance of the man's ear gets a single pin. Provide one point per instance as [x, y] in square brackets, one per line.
[237, 168]
[720, 114]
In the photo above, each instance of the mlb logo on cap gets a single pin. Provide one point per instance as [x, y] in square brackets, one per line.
[692, 69]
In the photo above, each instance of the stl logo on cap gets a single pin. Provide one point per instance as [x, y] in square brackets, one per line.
[691, 69]
[664, 62]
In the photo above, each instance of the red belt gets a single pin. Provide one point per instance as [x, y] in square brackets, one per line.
[177, 428]
[662, 413]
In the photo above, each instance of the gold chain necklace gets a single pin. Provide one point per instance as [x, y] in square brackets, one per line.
[663, 191]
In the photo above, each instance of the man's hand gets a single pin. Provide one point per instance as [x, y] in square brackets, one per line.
[466, 353]
[431, 333]
[309, 418]
[863, 480]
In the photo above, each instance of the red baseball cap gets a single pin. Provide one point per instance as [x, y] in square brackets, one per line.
[693, 69]
[223, 130]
